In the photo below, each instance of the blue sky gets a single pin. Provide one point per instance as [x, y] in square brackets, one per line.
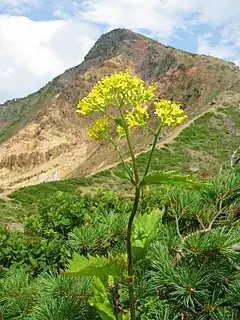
[39, 39]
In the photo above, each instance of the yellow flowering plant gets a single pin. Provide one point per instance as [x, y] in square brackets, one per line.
[100, 130]
[130, 98]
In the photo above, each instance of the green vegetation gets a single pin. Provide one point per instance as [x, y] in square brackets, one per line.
[182, 243]
[209, 137]
[23, 202]
[29, 195]
[42, 245]
[11, 211]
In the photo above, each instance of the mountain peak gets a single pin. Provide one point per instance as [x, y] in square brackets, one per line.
[120, 34]
[112, 40]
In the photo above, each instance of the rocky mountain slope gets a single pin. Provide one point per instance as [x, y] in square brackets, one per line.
[42, 138]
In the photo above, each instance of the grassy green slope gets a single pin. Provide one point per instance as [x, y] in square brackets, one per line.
[17, 113]
[22, 201]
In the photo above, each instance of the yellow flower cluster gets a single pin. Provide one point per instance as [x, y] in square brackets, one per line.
[137, 117]
[118, 89]
[100, 130]
[128, 94]
[169, 113]
[121, 132]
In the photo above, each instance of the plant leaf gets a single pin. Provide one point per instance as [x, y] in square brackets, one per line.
[122, 174]
[171, 177]
[97, 266]
[124, 316]
[101, 299]
[145, 229]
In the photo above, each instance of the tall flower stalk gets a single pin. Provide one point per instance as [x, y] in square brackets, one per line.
[129, 97]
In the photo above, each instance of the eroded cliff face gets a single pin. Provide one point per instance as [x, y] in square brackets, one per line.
[43, 139]
[46, 148]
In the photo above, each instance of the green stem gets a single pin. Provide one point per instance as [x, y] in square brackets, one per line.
[152, 151]
[130, 149]
[123, 162]
[129, 253]
[133, 157]
[130, 222]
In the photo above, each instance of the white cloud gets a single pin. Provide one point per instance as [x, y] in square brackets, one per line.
[32, 53]
[207, 36]
[218, 51]
[132, 14]
[26, 43]
[230, 35]
[237, 62]
[158, 15]
[19, 6]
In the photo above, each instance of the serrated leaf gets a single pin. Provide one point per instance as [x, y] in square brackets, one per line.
[145, 229]
[171, 178]
[97, 266]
